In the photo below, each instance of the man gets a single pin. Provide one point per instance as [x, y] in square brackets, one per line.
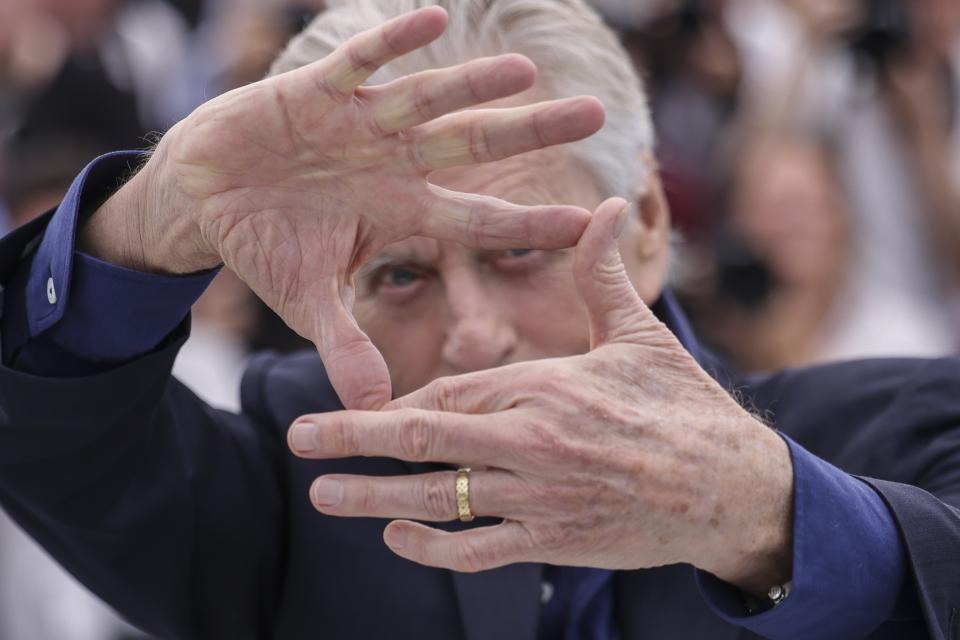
[604, 458]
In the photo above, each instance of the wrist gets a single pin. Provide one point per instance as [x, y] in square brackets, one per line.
[755, 549]
[148, 225]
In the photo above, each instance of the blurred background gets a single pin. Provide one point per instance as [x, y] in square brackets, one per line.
[810, 151]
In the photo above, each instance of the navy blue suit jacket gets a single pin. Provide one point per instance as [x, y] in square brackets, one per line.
[195, 523]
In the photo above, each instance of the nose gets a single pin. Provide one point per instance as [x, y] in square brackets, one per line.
[479, 333]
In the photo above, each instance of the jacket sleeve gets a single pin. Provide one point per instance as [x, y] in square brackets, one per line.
[927, 510]
[169, 510]
[896, 426]
[931, 530]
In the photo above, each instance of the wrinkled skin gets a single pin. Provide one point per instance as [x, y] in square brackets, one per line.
[628, 456]
[295, 181]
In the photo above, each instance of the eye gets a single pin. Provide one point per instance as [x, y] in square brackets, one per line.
[518, 260]
[398, 278]
[394, 281]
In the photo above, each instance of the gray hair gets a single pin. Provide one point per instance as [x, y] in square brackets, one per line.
[575, 54]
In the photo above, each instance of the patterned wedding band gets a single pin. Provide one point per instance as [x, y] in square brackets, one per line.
[463, 495]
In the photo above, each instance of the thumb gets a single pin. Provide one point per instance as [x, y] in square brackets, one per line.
[355, 367]
[616, 312]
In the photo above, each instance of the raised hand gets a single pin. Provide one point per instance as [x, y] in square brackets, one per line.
[295, 181]
[629, 456]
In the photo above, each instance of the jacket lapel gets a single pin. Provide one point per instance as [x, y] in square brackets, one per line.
[501, 603]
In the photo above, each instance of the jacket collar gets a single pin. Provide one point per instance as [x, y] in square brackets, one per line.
[668, 311]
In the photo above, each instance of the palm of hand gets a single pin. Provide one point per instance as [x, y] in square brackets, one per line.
[295, 202]
[299, 179]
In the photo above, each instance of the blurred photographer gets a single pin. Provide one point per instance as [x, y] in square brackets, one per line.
[693, 69]
[780, 259]
[878, 79]
[913, 49]
[900, 145]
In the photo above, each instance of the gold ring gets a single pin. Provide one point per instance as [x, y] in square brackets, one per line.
[463, 495]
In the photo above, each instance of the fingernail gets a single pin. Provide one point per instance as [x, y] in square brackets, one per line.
[622, 220]
[395, 537]
[327, 493]
[303, 437]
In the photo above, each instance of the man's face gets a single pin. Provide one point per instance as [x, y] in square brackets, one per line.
[438, 308]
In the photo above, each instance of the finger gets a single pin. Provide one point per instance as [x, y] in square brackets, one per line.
[486, 135]
[615, 309]
[480, 392]
[429, 497]
[355, 367]
[490, 223]
[420, 98]
[465, 551]
[362, 55]
[410, 434]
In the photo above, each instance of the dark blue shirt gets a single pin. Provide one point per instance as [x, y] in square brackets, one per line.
[68, 314]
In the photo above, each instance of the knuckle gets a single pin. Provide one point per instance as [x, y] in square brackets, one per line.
[472, 84]
[436, 498]
[610, 272]
[358, 58]
[539, 133]
[365, 498]
[444, 394]
[476, 222]
[388, 38]
[377, 130]
[479, 142]
[415, 434]
[413, 149]
[422, 102]
[372, 397]
[341, 437]
[326, 88]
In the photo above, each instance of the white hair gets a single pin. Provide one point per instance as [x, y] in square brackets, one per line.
[575, 54]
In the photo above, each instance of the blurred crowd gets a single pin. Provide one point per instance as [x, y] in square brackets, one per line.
[810, 151]
[79, 78]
